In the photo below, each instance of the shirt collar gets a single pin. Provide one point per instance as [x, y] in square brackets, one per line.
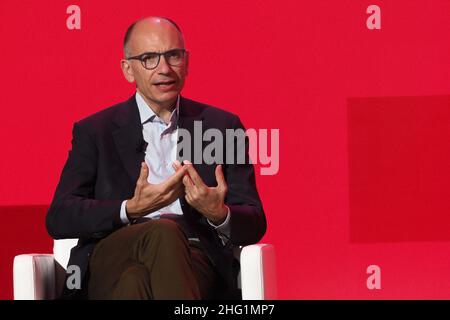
[148, 115]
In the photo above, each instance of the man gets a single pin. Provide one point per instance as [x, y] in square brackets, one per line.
[150, 224]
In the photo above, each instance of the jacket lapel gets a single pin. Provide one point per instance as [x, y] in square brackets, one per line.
[189, 113]
[128, 138]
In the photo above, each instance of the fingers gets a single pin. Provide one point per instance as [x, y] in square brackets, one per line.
[143, 175]
[196, 179]
[220, 178]
[189, 199]
[188, 182]
[176, 165]
[141, 181]
[176, 177]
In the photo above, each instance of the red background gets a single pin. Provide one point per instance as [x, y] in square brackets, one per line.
[363, 116]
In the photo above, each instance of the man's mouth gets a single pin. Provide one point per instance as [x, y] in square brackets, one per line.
[166, 86]
[164, 83]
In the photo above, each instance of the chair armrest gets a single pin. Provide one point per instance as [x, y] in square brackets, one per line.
[34, 277]
[258, 275]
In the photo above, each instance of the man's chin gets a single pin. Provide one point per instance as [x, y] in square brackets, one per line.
[166, 98]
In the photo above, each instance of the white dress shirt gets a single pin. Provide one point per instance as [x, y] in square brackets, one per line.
[161, 152]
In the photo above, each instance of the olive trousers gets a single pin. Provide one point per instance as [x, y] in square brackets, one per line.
[151, 260]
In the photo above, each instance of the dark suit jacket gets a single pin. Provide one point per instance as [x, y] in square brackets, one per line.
[102, 169]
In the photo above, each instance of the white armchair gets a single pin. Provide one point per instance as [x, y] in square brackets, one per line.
[41, 276]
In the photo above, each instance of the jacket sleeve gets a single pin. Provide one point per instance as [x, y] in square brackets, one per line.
[74, 211]
[247, 219]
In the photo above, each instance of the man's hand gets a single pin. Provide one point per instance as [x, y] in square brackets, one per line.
[151, 197]
[206, 200]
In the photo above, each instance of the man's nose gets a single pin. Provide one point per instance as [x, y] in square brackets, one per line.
[163, 66]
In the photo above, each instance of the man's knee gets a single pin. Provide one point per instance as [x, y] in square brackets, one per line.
[134, 283]
[135, 275]
[164, 230]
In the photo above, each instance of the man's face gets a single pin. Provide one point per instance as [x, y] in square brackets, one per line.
[162, 84]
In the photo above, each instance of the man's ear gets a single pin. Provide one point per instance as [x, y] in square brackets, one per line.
[127, 70]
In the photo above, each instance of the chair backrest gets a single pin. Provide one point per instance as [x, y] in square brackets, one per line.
[61, 250]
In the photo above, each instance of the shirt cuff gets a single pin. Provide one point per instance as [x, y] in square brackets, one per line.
[223, 224]
[223, 229]
[123, 213]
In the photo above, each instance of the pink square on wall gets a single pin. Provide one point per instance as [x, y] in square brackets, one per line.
[399, 168]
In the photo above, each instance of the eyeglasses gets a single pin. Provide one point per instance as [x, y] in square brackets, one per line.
[150, 60]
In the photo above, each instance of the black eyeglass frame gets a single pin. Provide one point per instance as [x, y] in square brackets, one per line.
[142, 57]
